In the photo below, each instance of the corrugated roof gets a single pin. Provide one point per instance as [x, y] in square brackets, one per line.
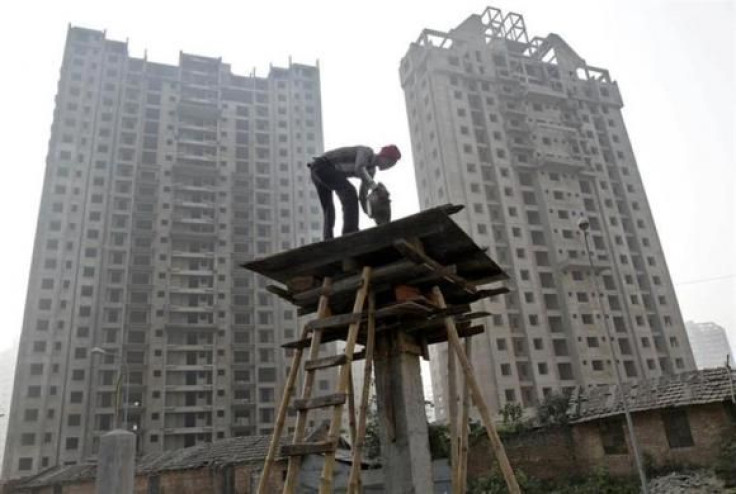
[689, 388]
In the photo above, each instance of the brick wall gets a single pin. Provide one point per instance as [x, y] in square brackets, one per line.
[542, 453]
[709, 423]
[566, 451]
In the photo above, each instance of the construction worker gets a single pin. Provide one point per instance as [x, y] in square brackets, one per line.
[330, 172]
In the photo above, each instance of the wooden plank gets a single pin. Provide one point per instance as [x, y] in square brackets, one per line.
[492, 292]
[403, 308]
[340, 320]
[313, 257]
[440, 336]
[320, 401]
[304, 449]
[280, 292]
[331, 361]
[324, 362]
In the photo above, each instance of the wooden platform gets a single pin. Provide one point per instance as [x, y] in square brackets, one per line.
[421, 250]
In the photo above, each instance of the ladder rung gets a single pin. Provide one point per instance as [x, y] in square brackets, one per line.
[334, 321]
[320, 401]
[332, 361]
[324, 362]
[302, 449]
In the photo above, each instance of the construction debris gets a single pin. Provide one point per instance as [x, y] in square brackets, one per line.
[699, 482]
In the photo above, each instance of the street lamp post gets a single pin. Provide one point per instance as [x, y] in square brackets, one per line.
[122, 371]
[116, 455]
[584, 225]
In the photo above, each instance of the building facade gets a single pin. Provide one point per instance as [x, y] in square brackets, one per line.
[710, 345]
[530, 138]
[160, 180]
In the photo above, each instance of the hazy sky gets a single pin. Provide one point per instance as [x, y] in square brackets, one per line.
[674, 62]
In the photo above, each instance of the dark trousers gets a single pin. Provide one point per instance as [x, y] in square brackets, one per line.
[328, 179]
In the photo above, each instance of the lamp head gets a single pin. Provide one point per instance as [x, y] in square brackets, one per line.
[583, 224]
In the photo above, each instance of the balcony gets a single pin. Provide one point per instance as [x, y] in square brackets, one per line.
[582, 264]
[193, 255]
[188, 409]
[187, 326]
[191, 220]
[190, 367]
[544, 91]
[242, 404]
[562, 162]
[188, 387]
[188, 430]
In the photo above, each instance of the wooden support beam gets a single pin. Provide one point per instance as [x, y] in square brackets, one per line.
[453, 418]
[351, 406]
[496, 444]
[385, 274]
[464, 423]
[414, 254]
[337, 321]
[354, 482]
[331, 361]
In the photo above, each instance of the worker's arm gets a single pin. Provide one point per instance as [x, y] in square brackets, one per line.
[363, 160]
[363, 196]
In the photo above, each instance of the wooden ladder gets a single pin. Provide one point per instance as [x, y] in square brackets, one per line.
[312, 332]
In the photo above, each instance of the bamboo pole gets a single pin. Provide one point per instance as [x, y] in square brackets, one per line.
[325, 485]
[286, 397]
[354, 483]
[351, 406]
[496, 444]
[452, 398]
[301, 418]
[464, 419]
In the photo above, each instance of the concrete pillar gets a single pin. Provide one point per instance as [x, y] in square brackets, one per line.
[116, 463]
[407, 466]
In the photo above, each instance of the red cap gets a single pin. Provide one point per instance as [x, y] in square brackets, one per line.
[391, 152]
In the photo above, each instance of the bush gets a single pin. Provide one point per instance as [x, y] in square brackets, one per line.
[553, 410]
[599, 482]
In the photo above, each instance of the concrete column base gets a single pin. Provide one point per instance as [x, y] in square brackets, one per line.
[116, 463]
[407, 465]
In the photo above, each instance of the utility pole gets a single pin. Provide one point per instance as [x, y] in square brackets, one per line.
[584, 225]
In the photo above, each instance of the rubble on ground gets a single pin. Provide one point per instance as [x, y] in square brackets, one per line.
[700, 482]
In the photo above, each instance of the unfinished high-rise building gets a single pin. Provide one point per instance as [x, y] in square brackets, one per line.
[530, 138]
[710, 345]
[160, 180]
